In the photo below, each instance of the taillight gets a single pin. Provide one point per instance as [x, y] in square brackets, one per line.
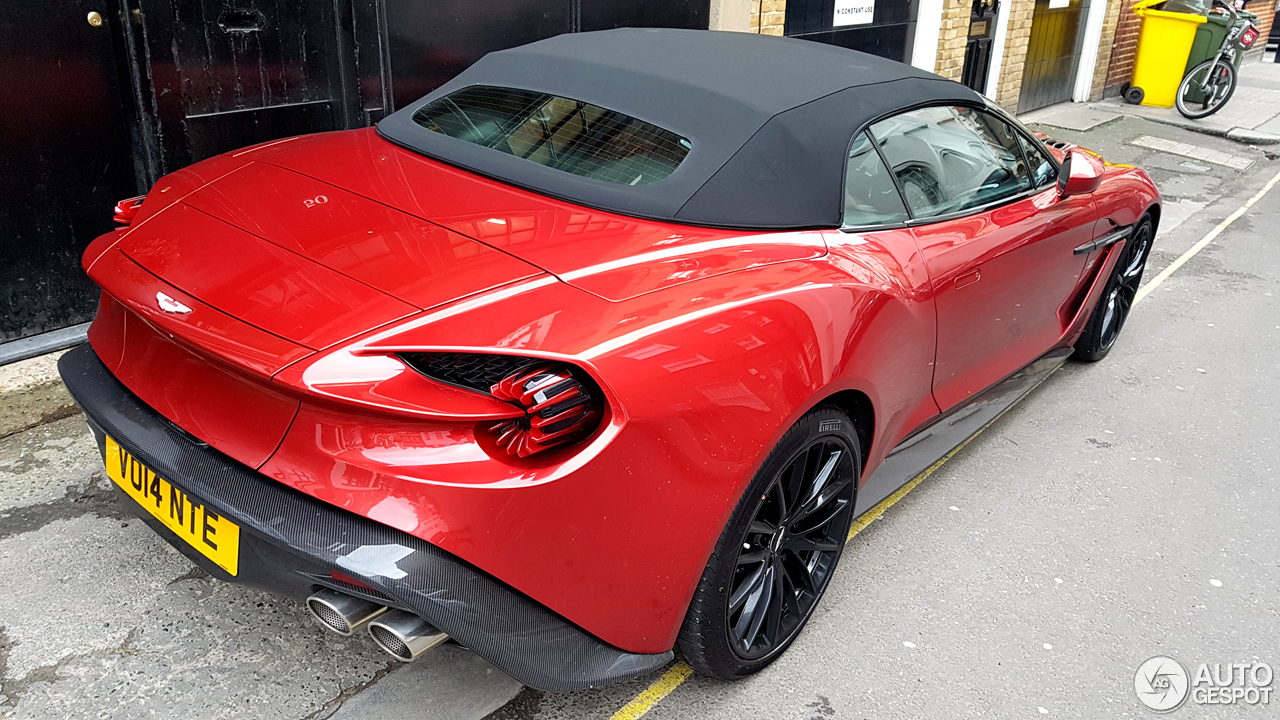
[127, 210]
[559, 409]
[559, 403]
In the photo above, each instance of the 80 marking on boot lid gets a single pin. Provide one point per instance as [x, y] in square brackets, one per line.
[212, 535]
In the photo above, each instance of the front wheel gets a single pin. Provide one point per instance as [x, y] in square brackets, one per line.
[1108, 316]
[778, 552]
[1206, 88]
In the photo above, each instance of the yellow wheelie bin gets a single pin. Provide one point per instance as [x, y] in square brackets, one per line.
[1163, 47]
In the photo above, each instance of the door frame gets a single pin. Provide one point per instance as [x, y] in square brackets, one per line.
[1092, 42]
[997, 52]
[1089, 50]
[1077, 54]
[924, 49]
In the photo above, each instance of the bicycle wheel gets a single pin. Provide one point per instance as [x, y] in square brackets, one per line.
[1206, 88]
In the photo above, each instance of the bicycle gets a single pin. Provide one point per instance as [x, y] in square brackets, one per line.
[1210, 84]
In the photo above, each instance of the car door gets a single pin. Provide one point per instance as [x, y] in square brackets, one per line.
[876, 246]
[996, 238]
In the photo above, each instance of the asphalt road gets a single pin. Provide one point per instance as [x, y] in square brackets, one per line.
[1124, 510]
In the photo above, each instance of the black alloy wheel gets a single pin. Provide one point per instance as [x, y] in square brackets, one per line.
[779, 551]
[1113, 307]
[790, 548]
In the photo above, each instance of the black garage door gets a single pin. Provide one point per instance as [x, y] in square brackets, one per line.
[1053, 53]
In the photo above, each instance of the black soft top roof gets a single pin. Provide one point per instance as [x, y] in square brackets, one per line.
[770, 119]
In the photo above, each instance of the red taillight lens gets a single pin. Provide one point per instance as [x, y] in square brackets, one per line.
[127, 210]
[559, 408]
[1248, 37]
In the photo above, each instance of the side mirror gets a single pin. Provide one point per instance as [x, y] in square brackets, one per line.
[1080, 174]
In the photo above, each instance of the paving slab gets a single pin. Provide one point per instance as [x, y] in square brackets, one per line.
[101, 618]
[44, 465]
[1189, 150]
[1072, 116]
[451, 682]
[31, 393]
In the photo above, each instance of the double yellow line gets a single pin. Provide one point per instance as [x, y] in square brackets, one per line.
[681, 671]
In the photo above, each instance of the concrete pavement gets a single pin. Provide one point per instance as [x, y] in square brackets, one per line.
[1250, 116]
[31, 393]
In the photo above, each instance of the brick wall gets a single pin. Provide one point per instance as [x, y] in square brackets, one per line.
[952, 37]
[768, 16]
[1266, 12]
[1110, 26]
[1124, 47]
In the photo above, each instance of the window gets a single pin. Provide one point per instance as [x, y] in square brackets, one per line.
[950, 159]
[1043, 171]
[569, 135]
[870, 197]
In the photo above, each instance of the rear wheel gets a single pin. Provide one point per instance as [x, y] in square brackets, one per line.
[1112, 310]
[1206, 88]
[779, 551]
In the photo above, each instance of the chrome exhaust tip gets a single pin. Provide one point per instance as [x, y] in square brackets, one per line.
[405, 636]
[340, 612]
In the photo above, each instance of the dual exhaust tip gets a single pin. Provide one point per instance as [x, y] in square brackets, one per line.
[404, 636]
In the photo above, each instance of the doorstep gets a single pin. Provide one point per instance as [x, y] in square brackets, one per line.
[32, 393]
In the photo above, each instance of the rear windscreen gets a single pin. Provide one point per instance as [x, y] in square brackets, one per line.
[570, 135]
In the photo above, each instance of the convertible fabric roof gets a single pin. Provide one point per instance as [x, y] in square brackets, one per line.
[770, 119]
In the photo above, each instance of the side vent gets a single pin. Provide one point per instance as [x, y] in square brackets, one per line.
[473, 371]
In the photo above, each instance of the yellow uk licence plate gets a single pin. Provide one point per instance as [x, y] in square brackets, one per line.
[214, 536]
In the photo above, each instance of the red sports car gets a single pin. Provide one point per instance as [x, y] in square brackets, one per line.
[597, 351]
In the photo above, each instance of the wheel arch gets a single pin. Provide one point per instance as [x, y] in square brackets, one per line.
[858, 406]
[1154, 212]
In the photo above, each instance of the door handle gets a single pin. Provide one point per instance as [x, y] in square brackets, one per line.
[95, 19]
[968, 278]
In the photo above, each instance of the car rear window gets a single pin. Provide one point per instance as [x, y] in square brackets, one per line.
[565, 134]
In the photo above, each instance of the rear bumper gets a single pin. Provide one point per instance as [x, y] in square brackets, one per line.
[290, 542]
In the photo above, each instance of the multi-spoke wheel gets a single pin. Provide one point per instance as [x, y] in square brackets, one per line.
[1206, 88]
[1117, 297]
[779, 551]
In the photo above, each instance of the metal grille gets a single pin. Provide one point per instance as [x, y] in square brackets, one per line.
[329, 617]
[474, 371]
[390, 642]
[558, 132]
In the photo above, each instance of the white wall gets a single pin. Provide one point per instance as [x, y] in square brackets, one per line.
[1089, 48]
[997, 49]
[732, 15]
[924, 53]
